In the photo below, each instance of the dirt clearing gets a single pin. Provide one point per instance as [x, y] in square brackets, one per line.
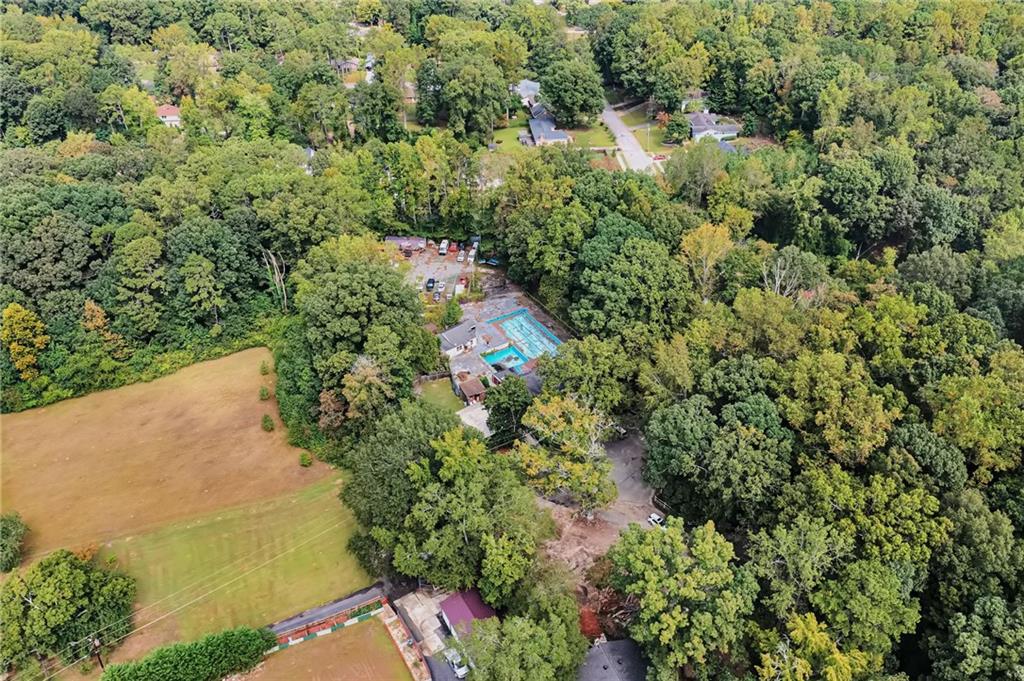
[123, 461]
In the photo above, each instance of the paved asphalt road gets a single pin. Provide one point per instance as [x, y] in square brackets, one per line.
[322, 612]
[636, 157]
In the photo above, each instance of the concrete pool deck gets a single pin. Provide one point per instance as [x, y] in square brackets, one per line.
[508, 327]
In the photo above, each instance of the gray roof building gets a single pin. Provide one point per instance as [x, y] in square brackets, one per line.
[614, 661]
[542, 127]
[544, 132]
[706, 124]
[528, 91]
[459, 335]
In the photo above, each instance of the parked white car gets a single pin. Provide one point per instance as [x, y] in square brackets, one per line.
[461, 257]
[656, 520]
[455, 662]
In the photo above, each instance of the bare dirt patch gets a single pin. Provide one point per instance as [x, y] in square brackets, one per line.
[124, 461]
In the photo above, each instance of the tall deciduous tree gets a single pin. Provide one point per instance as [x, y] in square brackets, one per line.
[570, 458]
[24, 334]
[692, 599]
[54, 606]
[344, 287]
[572, 89]
[471, 523]
[201, 285]
[831, 400]
[506, 404]
[141, 283]
[811, 652]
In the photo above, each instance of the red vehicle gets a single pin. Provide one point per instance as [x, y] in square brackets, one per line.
[454, 248]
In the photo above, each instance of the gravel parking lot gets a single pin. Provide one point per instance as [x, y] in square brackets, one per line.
[428, 264]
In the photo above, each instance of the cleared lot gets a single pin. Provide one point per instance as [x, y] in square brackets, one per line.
[124, 461]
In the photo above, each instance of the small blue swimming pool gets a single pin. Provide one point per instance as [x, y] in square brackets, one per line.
[506, 358]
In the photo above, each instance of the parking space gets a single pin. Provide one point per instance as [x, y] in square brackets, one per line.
[427, 264]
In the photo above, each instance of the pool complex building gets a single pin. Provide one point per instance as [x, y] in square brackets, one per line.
[528, 338]
[491, 348]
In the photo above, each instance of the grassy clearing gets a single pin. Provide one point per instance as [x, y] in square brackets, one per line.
[251, 565]
[596, 136]
[508, 138]
[653, 141]
[131, 460]
[439, 392]
[361, 652]
[635, 117]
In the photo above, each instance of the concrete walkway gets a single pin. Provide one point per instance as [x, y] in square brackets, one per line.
[634, 155]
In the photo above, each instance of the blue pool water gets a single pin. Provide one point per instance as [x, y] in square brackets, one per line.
[509, 358]
[528, 336]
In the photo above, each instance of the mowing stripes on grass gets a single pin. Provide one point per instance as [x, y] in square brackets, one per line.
[173, 564]
[203, 595]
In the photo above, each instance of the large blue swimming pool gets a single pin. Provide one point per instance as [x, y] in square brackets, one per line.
[529, 337]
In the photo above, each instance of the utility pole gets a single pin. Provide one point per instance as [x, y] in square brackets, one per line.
[97, 647]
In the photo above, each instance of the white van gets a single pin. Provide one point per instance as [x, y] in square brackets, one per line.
[443, 248]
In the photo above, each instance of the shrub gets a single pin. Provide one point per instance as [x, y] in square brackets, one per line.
[264, 392]
[264, 368]
[452, 314]
[208, 659]
[268, 423]
[12, 535]
[305, 460]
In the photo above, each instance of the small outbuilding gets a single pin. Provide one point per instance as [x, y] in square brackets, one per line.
[461, 609]
[347, 65]
[169, 115]
[472, 390]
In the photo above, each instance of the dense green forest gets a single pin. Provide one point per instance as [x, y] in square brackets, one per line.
[820, 338]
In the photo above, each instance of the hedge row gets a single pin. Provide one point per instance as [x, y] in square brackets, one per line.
[209, 659]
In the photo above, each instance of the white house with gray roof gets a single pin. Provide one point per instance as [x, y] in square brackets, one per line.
[707, 124]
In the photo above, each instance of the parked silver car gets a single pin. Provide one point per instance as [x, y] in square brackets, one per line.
[455, 662]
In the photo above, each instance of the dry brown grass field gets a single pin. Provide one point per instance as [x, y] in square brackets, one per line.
[125, 461]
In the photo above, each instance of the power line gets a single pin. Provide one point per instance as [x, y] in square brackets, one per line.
[200, 597]
[184, 588]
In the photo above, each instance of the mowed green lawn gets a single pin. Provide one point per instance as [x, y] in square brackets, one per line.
[594, 136]
[653, 140]
[250, 565]
[635, 117]
[508, 138]
[439, 392]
